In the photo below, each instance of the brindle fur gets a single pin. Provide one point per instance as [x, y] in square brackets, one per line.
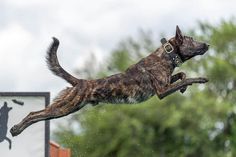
[151, 75]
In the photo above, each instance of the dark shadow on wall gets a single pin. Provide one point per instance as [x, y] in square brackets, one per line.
[4, 112]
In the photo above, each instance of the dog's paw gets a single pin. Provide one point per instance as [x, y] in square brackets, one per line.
[14, 130]
[203, 80]
[183, 89]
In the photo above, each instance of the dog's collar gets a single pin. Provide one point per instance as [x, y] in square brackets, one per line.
[169, 49]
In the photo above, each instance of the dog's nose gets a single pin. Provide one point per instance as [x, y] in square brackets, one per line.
[206, 45]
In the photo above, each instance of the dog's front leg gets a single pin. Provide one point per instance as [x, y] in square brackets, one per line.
[179, 76]
[163, 92]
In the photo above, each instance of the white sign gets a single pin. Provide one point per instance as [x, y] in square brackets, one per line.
[34, 140]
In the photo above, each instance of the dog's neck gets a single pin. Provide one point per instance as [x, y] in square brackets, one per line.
[170, 51]
[173, 59]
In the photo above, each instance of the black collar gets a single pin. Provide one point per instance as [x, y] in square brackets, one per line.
[169, 49]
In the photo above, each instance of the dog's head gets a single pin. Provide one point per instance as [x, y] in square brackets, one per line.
[187, 47]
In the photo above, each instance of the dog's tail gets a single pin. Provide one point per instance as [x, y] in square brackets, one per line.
[55, 67]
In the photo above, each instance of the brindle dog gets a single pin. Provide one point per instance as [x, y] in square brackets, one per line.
[151, 75]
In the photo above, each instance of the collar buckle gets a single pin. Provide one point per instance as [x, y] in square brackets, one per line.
[175, 58]
[167, 46]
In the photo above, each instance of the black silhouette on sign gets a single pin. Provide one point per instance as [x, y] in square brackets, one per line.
[18, 102]
[4, 111]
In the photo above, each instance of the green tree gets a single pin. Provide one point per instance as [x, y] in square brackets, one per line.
[199, 123]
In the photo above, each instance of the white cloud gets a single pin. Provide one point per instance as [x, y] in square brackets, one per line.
[14, 40]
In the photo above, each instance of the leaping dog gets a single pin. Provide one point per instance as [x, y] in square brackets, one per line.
[151, 75]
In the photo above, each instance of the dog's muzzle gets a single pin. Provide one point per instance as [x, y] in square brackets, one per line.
[203, 49]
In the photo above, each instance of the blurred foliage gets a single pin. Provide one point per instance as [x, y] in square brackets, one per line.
[199, 123]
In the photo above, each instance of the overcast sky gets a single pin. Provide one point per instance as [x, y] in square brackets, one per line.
[85, 26]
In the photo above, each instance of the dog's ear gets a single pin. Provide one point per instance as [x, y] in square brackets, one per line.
[178, 36]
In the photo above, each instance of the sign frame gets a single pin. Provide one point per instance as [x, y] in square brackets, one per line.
[46, 95]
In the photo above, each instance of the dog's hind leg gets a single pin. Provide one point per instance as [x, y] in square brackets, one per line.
[71, 100]
[9, 141]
